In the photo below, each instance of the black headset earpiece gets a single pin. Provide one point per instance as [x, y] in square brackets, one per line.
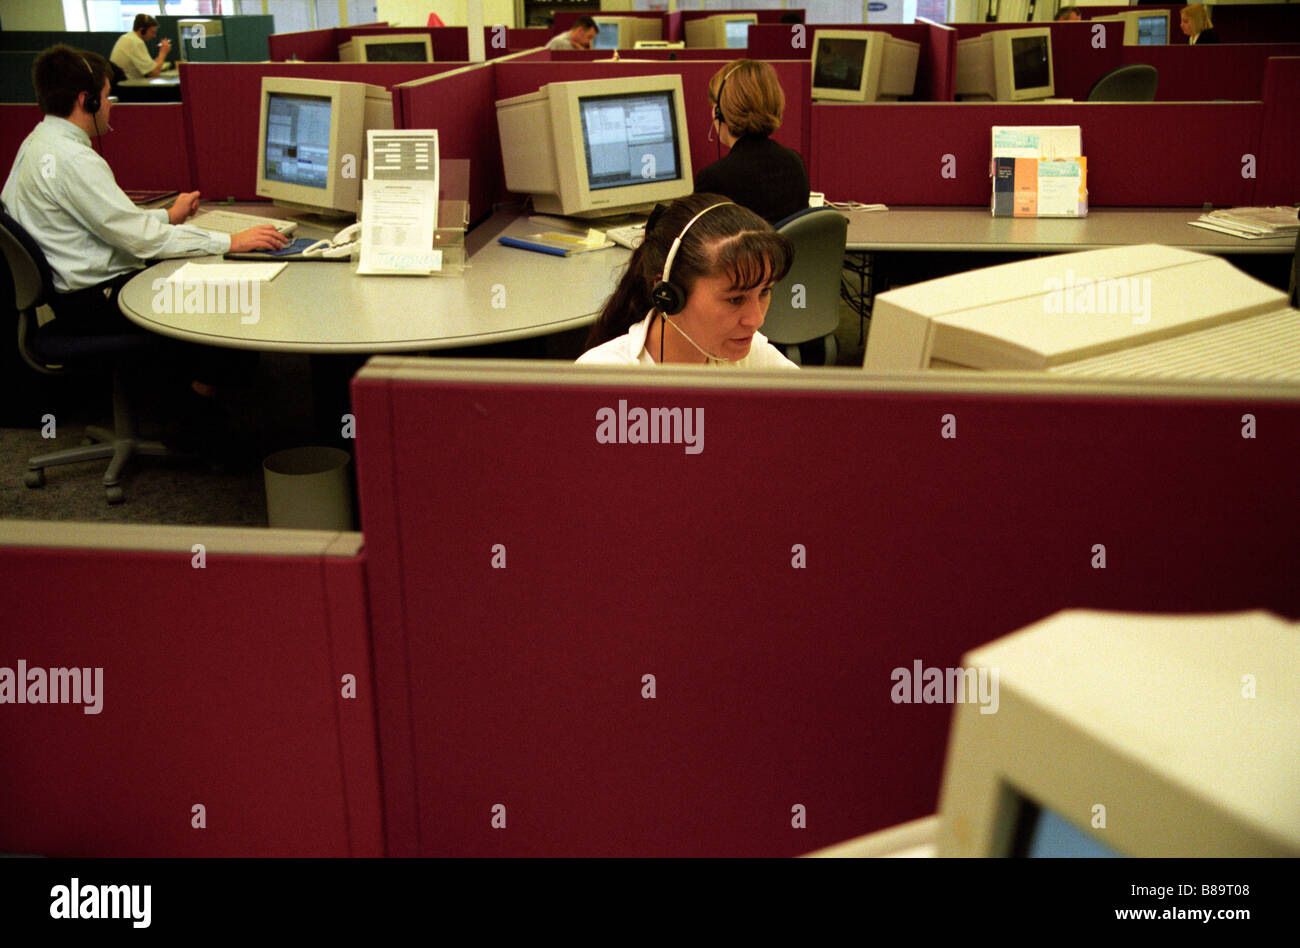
[717, 103]
[91, 105]
[668, 297]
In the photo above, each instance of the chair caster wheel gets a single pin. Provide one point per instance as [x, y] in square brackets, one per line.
[113, 493]
[34, 478]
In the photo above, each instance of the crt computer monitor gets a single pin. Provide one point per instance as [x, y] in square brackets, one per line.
[597, 148]
[862, 66]
[622, 32]
[1006, 66]
[387, 48]
[721, 31]
[1122, 734]
[306, 130]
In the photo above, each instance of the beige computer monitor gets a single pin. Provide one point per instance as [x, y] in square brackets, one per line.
[862, 66]
[623, 32]
[311, 141]
[1005, 66]
[1127, 734]
[597, 148]
[387, 48]
[722, 31]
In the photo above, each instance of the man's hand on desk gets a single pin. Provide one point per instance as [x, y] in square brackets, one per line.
[261, 237]
[183, 208]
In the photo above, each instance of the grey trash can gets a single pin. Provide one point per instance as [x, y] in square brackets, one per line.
[309, 489]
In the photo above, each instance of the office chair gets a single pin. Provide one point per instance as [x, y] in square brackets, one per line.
[819, 235]
[1132, 83]
[55, 355]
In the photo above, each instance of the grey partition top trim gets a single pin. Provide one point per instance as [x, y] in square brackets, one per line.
[517, 372]
[181, 540]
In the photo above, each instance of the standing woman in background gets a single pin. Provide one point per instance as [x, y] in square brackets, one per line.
[758, 173]
[1195, 22]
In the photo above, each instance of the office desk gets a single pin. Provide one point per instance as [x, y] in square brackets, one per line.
[974, 229]
[324, 307]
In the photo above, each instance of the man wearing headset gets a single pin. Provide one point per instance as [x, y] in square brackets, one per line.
[65, 196]
[131, 54]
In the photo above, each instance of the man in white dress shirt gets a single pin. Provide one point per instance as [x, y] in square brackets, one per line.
[65, 196]
[130, 53]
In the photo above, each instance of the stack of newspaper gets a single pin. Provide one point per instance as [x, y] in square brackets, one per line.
[1251, 222]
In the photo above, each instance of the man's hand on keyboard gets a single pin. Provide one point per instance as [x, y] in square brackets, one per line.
[261, 237]
[183, 208]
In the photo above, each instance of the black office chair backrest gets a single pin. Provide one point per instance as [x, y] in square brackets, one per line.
[1133, 83]
[805, 305]
[27, 264]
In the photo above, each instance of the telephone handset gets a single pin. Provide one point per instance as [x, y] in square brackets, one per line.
[340, 245]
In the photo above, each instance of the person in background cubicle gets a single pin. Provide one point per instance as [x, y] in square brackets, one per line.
[131, 55]
[66, 197]
[580, 36]
[1068, 14]
[758, 173]
[1195, 22]
[696, 291]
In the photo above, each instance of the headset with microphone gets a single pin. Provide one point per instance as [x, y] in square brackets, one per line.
[92, 103]
[669, 298]
[717, 103]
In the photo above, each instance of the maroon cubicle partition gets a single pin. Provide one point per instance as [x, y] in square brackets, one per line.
[448, 43]
[1206, 73]
[1278, 172]
[527, 578]
[1139, 154]
[146, 148]
[222, 686]
[1233, 22]
[222, 102]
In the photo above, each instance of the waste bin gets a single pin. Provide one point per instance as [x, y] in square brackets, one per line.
[309, 489]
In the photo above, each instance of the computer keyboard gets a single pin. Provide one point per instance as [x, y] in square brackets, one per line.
[629, 236]
[229, 222]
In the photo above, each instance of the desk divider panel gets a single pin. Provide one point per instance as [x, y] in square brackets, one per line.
[1208, 73]
[146, 148]
[461, 105]
[641, 55]
[1139, 154]
[221, 686]
[222, 101]
[1279, 171]
[517, 78]
[309, 46]
[526, 578]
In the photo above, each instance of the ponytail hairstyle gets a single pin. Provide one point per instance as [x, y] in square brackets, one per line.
[728, 239]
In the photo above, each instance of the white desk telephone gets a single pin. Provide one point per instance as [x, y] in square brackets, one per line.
[340, 245]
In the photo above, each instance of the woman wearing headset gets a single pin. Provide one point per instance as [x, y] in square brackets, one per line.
[695, 291]
[757, 173]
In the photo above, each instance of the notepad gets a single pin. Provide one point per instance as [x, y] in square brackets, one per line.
[227, 272]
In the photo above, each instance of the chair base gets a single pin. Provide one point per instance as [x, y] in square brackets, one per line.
[117, 449]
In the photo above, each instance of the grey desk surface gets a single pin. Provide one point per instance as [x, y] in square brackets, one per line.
[974, 229]
[166, 79]
[504, 294]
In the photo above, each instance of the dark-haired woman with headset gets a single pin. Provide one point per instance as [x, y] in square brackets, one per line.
[696, 291]
[757, 173]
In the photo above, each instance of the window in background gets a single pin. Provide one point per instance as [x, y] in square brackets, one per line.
[290, 15]
[116, 16]
[367, 11]
[188, 8]
[934, 10]
[327, 14]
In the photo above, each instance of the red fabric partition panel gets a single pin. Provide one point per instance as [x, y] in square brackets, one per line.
[940, 55]
[309, 46]
[531, 578]
[895, 154]
[222, 103]
[221, 687]
[1206, 73]
[1254, 23]
[658, 55]
[673, 27]
[146, 148]
[515, 39]
[515, 78]
[1278, 170]
[462, 107]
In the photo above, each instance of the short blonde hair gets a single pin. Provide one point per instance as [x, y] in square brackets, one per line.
[752, 99]
[1199, 17]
